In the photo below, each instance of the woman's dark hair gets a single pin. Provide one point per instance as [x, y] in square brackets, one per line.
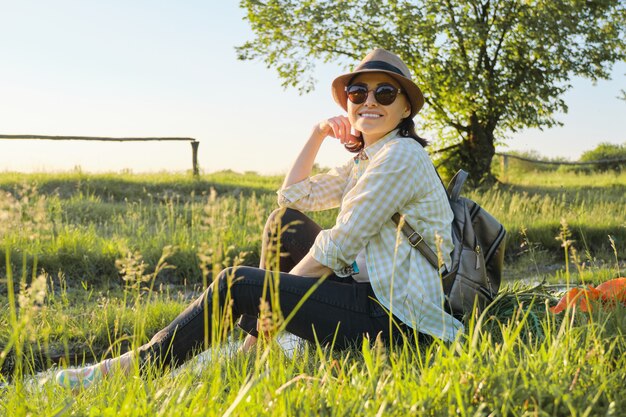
[406, 129]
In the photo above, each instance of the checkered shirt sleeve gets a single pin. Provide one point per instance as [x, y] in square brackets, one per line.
[319, 192]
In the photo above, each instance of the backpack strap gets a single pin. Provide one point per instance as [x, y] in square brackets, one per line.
[456, 183]
[417, 241]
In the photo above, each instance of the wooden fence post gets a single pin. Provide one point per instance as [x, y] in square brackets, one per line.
[504, 164]
[194, 157]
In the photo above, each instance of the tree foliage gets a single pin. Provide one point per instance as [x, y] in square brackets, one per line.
[486, 67]
[613, 155]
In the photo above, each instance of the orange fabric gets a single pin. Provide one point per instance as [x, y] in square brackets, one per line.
[613, 290]
[610, 291]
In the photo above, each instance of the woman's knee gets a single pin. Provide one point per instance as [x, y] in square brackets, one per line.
[224, 282]
[226, 277]
[283, 216]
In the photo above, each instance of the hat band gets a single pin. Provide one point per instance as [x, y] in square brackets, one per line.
[381, 65]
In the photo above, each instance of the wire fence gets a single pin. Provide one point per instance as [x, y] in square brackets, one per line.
[600, 164]
[582, 163]
[505, 157]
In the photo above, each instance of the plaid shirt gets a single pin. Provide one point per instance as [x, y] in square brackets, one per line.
[395, 175]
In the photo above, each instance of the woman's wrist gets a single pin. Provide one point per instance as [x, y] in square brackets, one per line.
[310, 267]
[318, 133]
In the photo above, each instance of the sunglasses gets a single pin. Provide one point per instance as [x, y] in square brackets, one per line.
[384, 94]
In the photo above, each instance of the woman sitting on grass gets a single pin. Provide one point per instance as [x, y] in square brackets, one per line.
[372, 273]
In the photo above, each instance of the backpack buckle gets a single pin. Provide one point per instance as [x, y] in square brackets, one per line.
[414, 245]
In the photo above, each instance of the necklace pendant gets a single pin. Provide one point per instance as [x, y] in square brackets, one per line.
[361, 156]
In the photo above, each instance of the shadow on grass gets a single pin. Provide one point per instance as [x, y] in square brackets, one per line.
[94, 268]
[608, 193]
[109, 187]
[595, 240]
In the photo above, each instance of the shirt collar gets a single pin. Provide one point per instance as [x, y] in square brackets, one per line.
[371, 150]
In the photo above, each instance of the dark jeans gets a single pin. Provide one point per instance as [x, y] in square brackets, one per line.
[339, 310]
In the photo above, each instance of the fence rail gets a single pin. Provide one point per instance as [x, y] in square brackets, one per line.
[504, 162]
[194, 143]
[537, 161]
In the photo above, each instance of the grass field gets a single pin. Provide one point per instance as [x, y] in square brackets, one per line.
[518, 359]
[83, 222]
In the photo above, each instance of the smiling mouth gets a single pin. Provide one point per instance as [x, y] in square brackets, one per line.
[370, 115]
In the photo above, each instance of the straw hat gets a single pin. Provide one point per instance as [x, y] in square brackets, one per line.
[381, 60]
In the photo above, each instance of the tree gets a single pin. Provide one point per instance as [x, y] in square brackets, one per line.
[613, 155]
[486, 67]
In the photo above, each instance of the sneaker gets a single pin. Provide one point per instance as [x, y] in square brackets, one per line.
[78, 378]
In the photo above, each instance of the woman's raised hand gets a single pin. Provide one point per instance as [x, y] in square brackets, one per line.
[338, 127]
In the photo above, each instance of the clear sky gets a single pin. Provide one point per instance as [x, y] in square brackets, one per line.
[169, 68]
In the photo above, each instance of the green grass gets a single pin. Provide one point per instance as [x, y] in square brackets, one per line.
[518, 359]
[84, 222]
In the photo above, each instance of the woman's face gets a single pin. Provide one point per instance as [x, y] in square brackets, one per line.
[372, 118]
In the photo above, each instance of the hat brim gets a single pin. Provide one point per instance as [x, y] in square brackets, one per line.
[412, 91]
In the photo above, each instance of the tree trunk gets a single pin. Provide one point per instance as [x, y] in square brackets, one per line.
[477, 151]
